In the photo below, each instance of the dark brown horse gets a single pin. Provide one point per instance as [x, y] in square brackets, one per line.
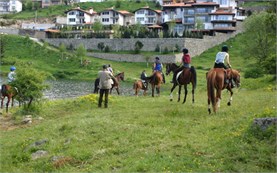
[155, 80]
[185, 77]
[9, 92]
[215, 84]
[138, 85]
[117, 78]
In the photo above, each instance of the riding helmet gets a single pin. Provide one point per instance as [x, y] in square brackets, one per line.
[185, 50]
[224, 48]
[105, 66]
[157, 58]
[12, 68]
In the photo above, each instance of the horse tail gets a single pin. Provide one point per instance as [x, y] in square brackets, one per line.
[194, 76]
[211, 89]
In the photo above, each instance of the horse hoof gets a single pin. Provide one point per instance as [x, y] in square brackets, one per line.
[209, 110]
[171, 100]
[229, 104]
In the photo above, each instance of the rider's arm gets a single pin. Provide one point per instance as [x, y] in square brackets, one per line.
[228, 60]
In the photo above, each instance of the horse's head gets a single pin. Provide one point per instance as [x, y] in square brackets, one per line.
[170, 67]
[121, 76]
[236, 77]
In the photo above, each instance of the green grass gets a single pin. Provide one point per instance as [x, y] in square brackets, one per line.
[141, 134]
[145, 134]
[59, 10]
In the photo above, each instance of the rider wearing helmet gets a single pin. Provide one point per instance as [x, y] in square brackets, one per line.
[186, 60]
[219, 63]
[12, 74]
[221, 57]
[158, 66]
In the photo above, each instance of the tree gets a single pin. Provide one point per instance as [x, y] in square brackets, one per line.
[30, 84]
[199, 24]
[81, 52]
[116, 30]
[97, 26]
[117, 4]
[260, 42]
[62, 49]
[138, 46]
[101, 46]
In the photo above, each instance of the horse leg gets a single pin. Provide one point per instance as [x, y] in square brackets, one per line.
[231, 97]
[209, 106]
[172, 89]
[179, 93]
[186, 92]
[2, 101]
[192, 94]
[153, 90]
[158, 90]
[117, 90]
[7, 104]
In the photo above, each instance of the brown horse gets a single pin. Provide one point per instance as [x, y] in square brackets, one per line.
[215, 84]
[156, 79]
[117, 78]
[185, 77]
[9, 92]
[138, 85]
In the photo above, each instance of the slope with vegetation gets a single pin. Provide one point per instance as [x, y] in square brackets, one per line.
[140, 134]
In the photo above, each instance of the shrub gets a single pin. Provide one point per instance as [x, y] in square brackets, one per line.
[253, 72]
[107, 49]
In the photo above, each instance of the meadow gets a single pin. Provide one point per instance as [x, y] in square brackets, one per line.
[140, 134]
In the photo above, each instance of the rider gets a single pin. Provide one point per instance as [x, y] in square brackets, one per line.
[143, 77]
[12, 74]
[186, 59]
[110, 68]
[11, 77]
[158, 66]
[219, 62]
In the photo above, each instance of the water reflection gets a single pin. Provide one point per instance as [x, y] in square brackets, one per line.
[70, 89]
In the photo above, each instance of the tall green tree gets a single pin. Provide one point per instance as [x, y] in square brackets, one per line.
[62, 50]
[260, 42]
[81, 52]
[30, 84]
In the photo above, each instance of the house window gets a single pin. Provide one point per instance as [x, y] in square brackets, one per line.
[222, 17]
[151, 20]
[222, 25]
[105, 13]
[140, 12]
[201, 10]
[71, 13]
[189, 20]
[105, 20]
[140, 19]
[223, 2]
[81, 13]
[71, 19]
[204, 18]
[151, 13]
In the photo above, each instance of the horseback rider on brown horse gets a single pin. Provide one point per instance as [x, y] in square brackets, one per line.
[219, 78]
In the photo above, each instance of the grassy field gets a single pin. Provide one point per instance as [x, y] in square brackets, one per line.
[139, 134]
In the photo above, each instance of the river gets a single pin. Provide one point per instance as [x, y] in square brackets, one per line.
[69, 89]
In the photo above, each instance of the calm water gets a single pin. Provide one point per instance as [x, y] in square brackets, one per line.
[71, 89]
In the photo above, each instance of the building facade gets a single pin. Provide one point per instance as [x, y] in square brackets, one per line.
[10, 6]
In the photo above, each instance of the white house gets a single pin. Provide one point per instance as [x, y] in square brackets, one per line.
[120, 17]
[77, 16]
[147, 16]
[10, 6]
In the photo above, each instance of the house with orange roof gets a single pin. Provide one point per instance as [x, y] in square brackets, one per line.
[147, 16]
[78, 16]
[111, 16]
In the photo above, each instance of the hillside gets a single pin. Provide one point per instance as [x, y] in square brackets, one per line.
[137, 134]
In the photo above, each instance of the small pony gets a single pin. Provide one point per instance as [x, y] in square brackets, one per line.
[156, 80]
[185, 77]
[9, 92]
[137, 86]
[215, 84]
[119, 77]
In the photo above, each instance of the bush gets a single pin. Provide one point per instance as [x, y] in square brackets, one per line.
[253, 72]
[107, 49]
